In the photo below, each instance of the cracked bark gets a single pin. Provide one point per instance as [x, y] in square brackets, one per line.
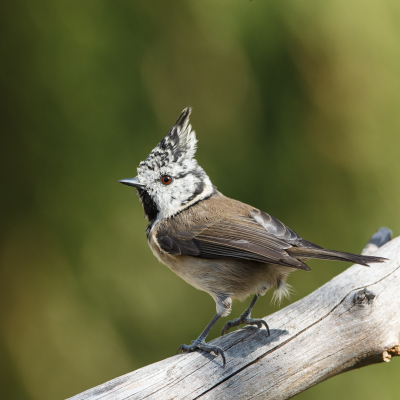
[350, 322]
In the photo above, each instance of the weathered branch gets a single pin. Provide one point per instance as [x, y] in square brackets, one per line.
[350, 322]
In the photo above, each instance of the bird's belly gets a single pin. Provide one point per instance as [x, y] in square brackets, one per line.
[191, 269]
[231, 277]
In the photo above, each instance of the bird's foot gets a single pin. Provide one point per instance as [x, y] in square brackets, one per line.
[244, 320]
[202, 345]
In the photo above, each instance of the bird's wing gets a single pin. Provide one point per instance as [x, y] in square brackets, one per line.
[279, 230]
[255, 237]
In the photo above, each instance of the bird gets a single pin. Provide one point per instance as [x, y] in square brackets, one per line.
[219, 245]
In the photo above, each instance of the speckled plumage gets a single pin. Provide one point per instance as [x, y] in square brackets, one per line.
[174, 156]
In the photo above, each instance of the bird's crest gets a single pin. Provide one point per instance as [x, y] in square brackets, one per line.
[178, 146]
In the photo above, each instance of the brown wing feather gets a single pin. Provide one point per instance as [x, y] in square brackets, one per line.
[279, 230]
[220, 227]
[237, 237]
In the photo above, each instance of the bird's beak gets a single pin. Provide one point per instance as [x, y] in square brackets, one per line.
[132, 182]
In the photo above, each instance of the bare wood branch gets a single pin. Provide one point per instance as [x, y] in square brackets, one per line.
[350, 322]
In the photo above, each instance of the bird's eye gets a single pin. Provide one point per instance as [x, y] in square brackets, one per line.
[166, 179]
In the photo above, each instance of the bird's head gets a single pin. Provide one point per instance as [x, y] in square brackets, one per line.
[170, 180]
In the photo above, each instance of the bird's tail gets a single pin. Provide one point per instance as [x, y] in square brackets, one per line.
[324, 254]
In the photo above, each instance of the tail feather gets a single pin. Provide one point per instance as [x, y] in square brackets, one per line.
[324, 254]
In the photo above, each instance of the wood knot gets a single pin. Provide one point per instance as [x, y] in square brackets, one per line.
[363, 297]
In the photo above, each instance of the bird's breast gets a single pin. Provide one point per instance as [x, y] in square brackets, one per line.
[233, 277]
[184, 266]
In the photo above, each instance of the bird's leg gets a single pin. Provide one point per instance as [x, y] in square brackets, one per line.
[200, 342]
[245, 319]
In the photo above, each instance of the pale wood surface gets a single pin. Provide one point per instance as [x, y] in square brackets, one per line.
[351, 321]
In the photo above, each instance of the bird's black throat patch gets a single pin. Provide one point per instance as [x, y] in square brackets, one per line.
[149, 206]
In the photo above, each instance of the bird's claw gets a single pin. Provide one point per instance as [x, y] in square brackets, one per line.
[201, 345]
[244, 320]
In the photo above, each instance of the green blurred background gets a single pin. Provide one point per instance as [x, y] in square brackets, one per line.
[296, 108]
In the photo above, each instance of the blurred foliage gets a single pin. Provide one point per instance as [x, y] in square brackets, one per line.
[296, 108]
